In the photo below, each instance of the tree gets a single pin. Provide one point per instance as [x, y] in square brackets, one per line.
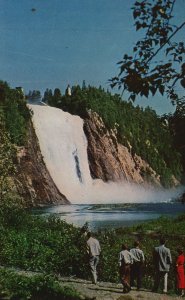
[177, 127]
[15, 112]
[140, 73]
[47, 96]
[3, 91]
[34, 95]
[84, 85]
[56, 99]
[57, 93]
[7, 154]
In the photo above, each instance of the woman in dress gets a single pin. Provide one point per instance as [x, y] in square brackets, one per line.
[180, 261]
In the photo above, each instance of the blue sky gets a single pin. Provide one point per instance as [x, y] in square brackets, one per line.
[68, 41]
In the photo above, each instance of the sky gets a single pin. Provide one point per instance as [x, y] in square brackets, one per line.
[53, 43]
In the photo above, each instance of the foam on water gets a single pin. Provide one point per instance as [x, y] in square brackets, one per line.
[64, 148]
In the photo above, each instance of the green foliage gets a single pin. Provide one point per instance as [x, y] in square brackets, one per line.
[53, 246]
[177, 128]
[14, 117]
[142, 73]
[15, 124]
[42, 245]
[47, 96]
[16, 113]
[12, 213]
[34, 95]
[40, 287]
[143, 131]
[7, 155]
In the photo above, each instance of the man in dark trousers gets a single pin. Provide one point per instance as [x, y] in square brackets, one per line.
[162, 261]
[137, 266]
[93, 249]
[125, 260]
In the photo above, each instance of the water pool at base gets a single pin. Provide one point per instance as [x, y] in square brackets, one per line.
[106, 216]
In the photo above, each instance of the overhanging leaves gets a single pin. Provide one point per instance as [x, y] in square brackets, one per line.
[140, 74]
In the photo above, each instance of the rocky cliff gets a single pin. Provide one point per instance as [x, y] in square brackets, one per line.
[32, 180]
[109, 160]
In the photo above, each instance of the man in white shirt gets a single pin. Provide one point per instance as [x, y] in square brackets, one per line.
[125, 261]
[93, 249]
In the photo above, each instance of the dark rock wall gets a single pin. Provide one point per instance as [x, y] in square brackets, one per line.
[33, 180]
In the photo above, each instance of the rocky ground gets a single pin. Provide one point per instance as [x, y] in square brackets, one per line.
[110, 291]
[102, 290]
[106, 290]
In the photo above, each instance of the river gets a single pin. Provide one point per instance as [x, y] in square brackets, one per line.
[102, 216]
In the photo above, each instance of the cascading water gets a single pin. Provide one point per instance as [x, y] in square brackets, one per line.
[64, 148]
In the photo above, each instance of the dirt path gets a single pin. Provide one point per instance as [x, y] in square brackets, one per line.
[110, 291]
[104, 290]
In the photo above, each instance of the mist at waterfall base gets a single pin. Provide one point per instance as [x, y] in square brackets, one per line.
[63, 145]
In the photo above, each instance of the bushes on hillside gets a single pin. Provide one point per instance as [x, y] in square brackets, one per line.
[35, 287]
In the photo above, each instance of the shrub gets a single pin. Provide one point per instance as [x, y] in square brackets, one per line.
[40, 287]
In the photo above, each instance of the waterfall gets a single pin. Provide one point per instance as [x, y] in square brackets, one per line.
[64, 149]
[63, 146]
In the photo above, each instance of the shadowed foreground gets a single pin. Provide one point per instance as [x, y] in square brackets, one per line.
[110, 291]
[105, 290]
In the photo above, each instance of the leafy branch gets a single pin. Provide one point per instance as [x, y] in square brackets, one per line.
[137, 76]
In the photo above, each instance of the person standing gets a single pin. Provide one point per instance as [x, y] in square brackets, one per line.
[162, 261]
[180, 261]
[125, 260]
[93, 250]
[137, 266]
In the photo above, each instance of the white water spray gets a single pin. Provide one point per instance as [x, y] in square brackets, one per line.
[64, 148]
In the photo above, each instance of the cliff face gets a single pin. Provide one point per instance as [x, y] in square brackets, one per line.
[109, 160]
[33, 180]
